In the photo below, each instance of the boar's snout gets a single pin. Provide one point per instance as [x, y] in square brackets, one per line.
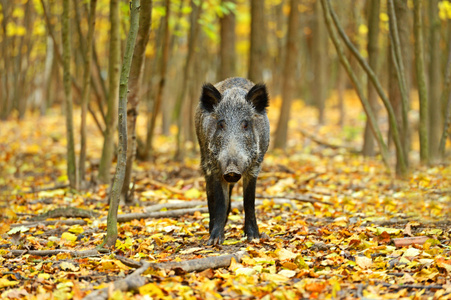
[232, 174]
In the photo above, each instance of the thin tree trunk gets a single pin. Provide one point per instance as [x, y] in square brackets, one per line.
[280, 139]
[86, 90]
[6, 102]
[71, 163]
[435, 106]
[111, 236]
[258, 45]
[446, 97]
[399, 72]
[422, 90]
[163, 69]
[113, 93]
[227, 53]
[181, 107]
[354, 80]
[145, 19]
[373, 45]
[392, 119]
[320, 63]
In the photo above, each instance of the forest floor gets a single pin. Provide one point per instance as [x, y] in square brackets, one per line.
[336, 225]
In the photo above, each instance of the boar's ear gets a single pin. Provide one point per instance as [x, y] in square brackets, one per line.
[210, 97]
[258, 97]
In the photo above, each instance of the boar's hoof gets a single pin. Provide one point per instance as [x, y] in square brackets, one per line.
[232, 177]
[216, 238]
[252, 233]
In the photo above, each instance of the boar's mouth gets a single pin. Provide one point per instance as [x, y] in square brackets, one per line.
[232, 174]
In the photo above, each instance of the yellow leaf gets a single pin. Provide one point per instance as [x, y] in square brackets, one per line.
[286, 254]
[152, 289]
[193, 193]
[363, 262]
[44, 276]
[69, 236]
[4, 282]
[77, 229]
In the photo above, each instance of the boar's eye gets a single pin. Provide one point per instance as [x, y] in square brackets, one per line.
[245, 125]
[221, 124]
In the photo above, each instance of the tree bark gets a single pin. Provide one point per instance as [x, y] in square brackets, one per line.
[145, 19]
[86, 89]
[71, 163]
[422, 91]
[320, 63]
[111, 236]
[435, 106]
[373, 53]
[280, 139]
[227, 54]
[158, 98]
[181, 107]
[445, 97]
[396, 47]
[113, 94]
[258, 46]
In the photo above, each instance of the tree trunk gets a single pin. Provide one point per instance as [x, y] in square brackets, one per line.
[373, 45]
[320, 63]
[86, 90]
[71, 163]
[111, 236]
[347, 66]
[445, 98]
[113, 94]
[257, 54]
[397, 70]
[372, 76]
[435, 106]
[182, 105]
[145, 19]
[227, 54]
[280, 139]
[422, 91]
[163, 69]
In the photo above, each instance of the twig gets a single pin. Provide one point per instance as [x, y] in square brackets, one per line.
[131, 282]
[166, 186]
[410, 286]
[329, 145]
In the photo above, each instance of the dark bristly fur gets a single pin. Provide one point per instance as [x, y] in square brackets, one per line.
[233, 133]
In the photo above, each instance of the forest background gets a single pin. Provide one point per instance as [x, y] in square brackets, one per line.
[347, 79]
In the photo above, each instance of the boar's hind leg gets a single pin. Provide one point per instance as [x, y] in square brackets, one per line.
[250, 222]
[220, 191]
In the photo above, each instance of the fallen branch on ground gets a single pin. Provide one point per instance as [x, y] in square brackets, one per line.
[297, 198]
[326, 144]
[65, 222]
[418, 240]
[68, 212]
[166, 186]
[81, 253]
[135, 280]
[177, 205]
[56, 187]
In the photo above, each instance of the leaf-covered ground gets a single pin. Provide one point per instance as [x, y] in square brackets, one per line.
[341, 244]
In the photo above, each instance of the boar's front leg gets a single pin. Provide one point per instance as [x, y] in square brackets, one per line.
[218, 206]
[250, 222]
